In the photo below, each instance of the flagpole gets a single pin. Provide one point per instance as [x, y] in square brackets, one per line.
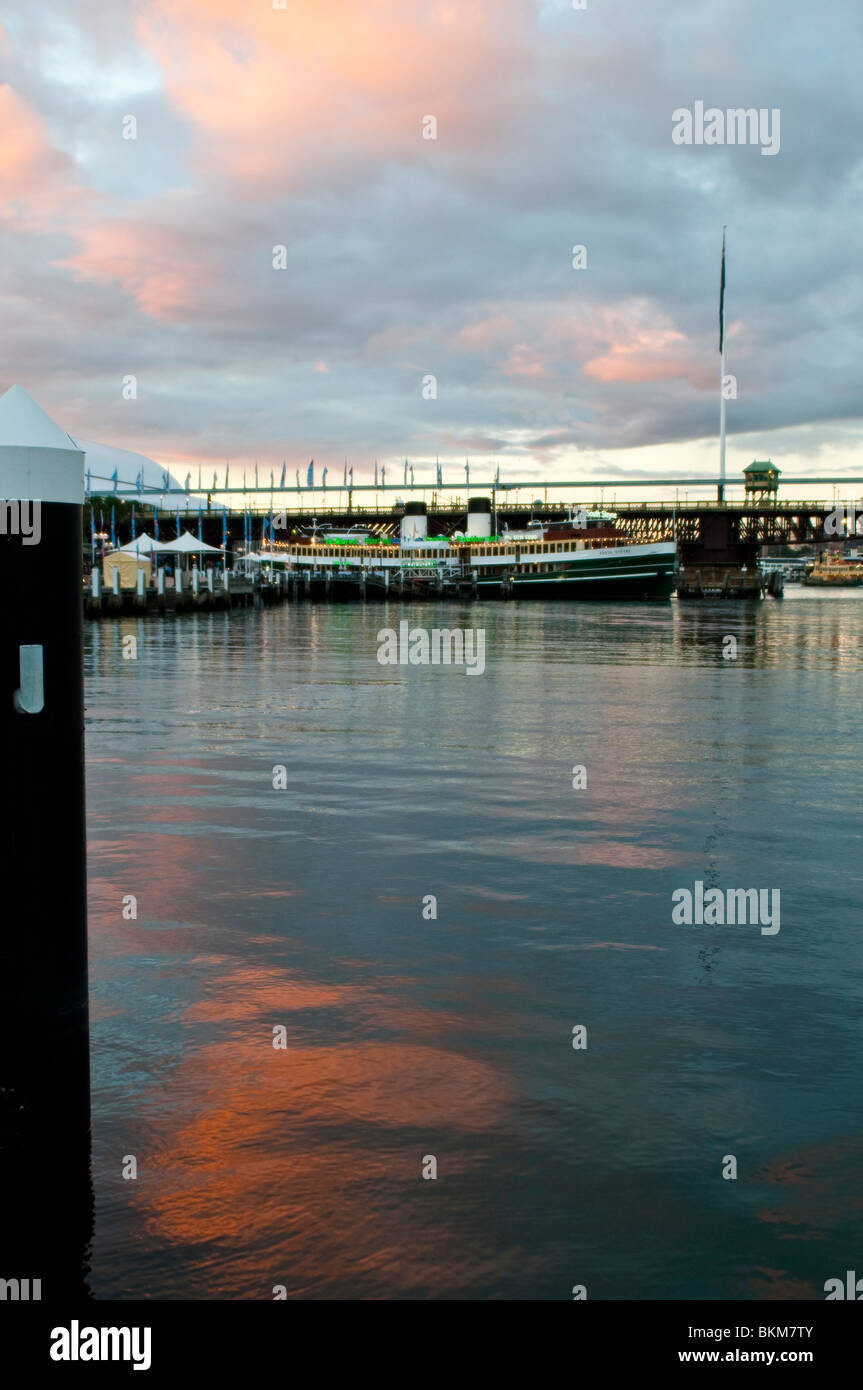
[722, 426]
[721, 488]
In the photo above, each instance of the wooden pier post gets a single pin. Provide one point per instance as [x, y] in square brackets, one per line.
[46, 1211]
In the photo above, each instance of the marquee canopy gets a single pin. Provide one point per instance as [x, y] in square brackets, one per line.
[187, 544]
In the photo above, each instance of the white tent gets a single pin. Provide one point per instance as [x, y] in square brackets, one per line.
[143, 545]
[37, 458]
[187, 544]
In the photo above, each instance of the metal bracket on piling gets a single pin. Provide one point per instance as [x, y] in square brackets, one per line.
[29, 698]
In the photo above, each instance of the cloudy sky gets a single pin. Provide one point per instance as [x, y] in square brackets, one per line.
[407, 257]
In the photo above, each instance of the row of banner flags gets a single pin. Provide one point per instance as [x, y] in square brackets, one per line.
[347, 478]
[112, 532]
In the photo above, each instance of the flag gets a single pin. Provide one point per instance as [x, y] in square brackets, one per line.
[298, 479]
[226, 474]
[134, 531]
[324, 477]
[439, 475]
[310, 476]
[376, 472]
[345, 475]
[722, 297]
[284, 466]
[166, 482]
[200, 523]
[412, 475]
[467, 473]
[114, 479]
[88, 482]
[155, 521]
[178, 521]
[199, 477]
[384, 475]
[215, 481]
[188, 480]
[351, 476]
[497, 475]
[113, 530]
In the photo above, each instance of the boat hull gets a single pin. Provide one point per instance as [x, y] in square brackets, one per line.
[600, 574]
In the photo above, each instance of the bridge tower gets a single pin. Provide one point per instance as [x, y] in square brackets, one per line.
[761, 481]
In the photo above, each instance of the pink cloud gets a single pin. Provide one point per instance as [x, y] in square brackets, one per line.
[34, 176]
[486, 333]
[634, 342]
[279, 95]
[635, 362]
[155, 266]
[523, 361]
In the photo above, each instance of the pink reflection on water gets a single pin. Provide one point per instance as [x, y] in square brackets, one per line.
[308, 1158]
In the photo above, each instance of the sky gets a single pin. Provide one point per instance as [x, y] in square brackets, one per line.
[408, 258]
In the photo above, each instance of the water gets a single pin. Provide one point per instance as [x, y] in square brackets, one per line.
[408, 1037]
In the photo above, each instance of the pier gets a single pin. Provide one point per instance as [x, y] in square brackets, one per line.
[195, 595]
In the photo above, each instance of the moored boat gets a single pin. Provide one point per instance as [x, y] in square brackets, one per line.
[582, 557]
[835, 572]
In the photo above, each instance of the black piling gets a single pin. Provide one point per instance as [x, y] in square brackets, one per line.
[44, 1052]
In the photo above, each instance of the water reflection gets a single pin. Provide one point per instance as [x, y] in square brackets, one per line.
[407, 1035]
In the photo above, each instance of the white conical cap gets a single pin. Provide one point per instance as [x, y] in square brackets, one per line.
[38, 460]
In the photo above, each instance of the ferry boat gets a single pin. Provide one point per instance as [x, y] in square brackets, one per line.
[581, 557]
[835, 572]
